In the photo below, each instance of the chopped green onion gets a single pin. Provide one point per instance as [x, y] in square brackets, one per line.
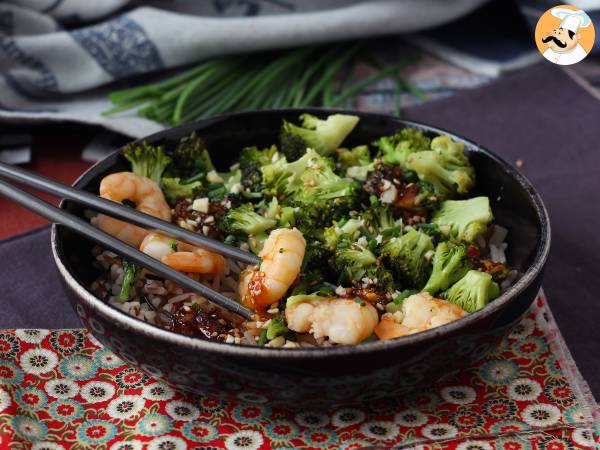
[360, 301]
[276, 328]
[262, 340]
[130, 274]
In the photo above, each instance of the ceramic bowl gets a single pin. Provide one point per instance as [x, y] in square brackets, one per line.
[312, 377]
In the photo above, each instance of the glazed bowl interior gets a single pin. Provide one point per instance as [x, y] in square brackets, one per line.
[515, 203]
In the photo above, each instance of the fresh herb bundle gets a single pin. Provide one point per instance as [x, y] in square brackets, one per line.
[300, 77]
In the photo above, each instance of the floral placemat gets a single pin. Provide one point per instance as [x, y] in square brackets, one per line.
[62, 390]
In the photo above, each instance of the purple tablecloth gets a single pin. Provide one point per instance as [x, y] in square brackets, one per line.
[539, 116]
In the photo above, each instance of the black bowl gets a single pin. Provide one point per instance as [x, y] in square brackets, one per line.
[314, 376]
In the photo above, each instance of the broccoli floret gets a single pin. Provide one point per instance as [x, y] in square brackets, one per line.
[361, 173]
[473, 291]
[380, 221]
[396, 148]
[353, 263]
[251, 160]
[287, 217]
[315, 258]
[333, 234]
[356, 163]
[174, 189]
[445, 166]
[408, 256]
[466, 219]
[427, 197]
[324, 136]
[244, 220]
[358, 156]
[432, 230]
[308, 180]
[450, 264]
[147, 160]
[283, 178]
[311, 220]
[273, 209]
[251, 156]
[130, 274]
[191, 159]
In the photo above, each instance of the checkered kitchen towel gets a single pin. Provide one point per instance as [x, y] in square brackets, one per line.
[53, 52]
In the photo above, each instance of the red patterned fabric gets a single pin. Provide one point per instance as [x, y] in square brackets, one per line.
[62, 390]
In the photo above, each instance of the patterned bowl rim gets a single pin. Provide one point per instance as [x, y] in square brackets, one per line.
[134, 324]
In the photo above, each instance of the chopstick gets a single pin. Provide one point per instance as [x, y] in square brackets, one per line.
[81, 226]
[123, 212]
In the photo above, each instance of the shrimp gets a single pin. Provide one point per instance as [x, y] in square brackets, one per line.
[282, 257]
[180, 255]
[343, 320]
[144, 192]
[419, 312]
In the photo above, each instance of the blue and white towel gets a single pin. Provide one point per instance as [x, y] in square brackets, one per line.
[57, 56]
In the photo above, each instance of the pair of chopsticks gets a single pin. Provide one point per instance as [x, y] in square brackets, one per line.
[119, 211]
